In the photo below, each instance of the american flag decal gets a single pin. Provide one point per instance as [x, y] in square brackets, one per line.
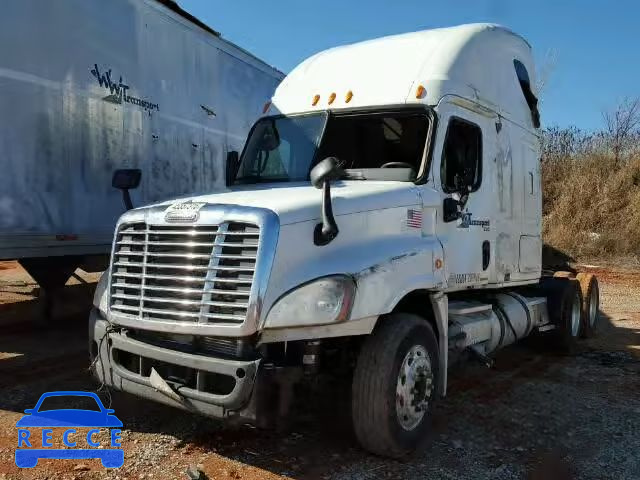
[414, 218]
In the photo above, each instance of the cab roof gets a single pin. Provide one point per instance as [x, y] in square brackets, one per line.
[474, 61]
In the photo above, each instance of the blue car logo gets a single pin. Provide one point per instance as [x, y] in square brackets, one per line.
[31, 448]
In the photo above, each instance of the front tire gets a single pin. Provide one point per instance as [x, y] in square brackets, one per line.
[394, 385]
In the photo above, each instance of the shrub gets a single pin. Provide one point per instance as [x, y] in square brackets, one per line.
[591, 203]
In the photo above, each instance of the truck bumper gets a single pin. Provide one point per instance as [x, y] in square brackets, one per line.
[214, 387]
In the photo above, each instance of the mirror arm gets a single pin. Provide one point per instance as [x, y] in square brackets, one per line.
[321, 176]
[126, 198]
[326, 231]
[125, 179]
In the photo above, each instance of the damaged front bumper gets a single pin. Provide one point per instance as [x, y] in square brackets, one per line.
[215, 387]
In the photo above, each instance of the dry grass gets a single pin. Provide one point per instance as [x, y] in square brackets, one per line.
[592, 205]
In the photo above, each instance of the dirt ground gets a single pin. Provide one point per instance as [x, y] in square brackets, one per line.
[533, 416]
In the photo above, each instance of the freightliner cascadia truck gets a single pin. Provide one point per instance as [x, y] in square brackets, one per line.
[383, 217]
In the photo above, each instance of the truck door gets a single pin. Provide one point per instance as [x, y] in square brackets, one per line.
[530, 245]
[508, 223]
[464, 170]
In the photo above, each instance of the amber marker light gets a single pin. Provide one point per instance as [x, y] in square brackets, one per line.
[316, 99]
[332, 98]
[420, 91]
[348, 96]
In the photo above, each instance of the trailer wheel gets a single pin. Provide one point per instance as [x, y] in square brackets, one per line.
[394, 385]
[564, 299]
[590, 303]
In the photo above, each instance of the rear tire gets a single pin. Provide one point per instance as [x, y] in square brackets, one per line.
[394, 385]
[564, 299]
[590, 303]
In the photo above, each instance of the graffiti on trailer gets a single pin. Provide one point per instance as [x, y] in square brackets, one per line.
[118, 90]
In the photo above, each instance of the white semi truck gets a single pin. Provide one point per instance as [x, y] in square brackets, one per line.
[88, 87]
[384, 216]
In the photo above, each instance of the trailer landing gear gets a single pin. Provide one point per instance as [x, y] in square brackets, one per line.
[52, 273]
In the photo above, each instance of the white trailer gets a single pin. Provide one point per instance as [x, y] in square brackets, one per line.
[88, 87]
[424, 244]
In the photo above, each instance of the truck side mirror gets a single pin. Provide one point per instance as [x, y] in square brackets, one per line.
[125, 179]
[450, 209]
[327, 170]
[321, 176]
[233, 164]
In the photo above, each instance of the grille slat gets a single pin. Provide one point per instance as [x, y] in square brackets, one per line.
[179, 313]
[158, 265]
[188, 233]
[182, 301]
[195, 274]
[166, 244]
[124, 253]
[238, 293]
[175, 278]
[235, 257]
[244, 305]
[239, 245]
[182, 278]
[180, 266]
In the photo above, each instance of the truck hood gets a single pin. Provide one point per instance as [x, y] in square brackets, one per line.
[300, 202]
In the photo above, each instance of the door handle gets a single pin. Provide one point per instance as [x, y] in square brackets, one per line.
[531, 178]
[486, 254]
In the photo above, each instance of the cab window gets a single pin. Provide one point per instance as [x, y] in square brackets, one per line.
[461, 167]
[366, 141]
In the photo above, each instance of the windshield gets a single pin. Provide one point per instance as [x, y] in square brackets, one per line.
[368, 146]
[281, 149]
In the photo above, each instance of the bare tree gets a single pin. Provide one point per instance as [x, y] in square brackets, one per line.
[622, 124]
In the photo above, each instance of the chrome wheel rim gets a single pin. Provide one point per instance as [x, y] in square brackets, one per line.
[575, 316]
[414, 387]
[593, 306]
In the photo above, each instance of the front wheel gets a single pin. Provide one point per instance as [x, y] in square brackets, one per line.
[394, 385]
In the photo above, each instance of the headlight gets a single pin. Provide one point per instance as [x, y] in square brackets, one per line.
[100, 295]
[322, 301]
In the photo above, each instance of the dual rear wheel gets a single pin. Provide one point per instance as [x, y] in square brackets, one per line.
[580, 294]
[590, 303]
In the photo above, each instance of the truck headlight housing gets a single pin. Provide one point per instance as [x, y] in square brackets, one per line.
[100, 295]
[322, 301]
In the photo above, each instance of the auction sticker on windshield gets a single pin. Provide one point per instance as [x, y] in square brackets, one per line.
[54, 429]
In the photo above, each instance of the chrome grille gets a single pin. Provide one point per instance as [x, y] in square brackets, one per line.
[184, 273]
